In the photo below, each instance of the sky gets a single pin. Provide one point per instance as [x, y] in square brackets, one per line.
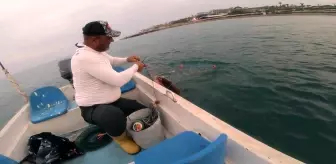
[39, 31]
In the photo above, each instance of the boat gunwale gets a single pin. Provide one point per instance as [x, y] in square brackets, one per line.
[13, 119]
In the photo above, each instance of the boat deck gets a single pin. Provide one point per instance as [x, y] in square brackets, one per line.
[108, 154]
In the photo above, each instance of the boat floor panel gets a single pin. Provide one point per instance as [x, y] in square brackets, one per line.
[109, 154]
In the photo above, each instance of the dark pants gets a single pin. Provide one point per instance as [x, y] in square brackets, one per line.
[111, 117]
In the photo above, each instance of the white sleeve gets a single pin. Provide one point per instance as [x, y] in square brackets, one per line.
[115, 61]
[105, 73]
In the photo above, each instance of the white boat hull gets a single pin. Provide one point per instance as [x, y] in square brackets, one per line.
[176, 117]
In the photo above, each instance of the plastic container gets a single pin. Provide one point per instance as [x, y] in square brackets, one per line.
[149, 136]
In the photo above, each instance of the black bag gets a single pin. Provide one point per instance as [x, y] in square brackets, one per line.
[46, 148]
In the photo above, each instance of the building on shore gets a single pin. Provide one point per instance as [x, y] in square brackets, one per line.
[219, 11]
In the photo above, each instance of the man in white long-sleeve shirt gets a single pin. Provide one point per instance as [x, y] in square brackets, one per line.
[97, 85]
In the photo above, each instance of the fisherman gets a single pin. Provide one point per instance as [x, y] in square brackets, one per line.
[97, 85]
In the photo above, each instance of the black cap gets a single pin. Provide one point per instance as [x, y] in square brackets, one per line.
[99, 28]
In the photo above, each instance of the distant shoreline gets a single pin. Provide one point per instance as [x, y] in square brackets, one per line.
[228, 17]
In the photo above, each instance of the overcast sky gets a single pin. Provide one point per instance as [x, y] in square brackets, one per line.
[37, 31]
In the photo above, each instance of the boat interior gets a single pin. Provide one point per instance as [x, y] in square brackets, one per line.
[54, 110]
[191, 135]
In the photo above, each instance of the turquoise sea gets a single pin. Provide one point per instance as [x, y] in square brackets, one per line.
[275, 77]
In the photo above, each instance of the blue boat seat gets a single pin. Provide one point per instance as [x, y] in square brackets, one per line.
[186, 147]
[47, 103]
[50, 102]
[129, 85]
[6, 160]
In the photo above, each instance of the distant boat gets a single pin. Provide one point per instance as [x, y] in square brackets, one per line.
[178, 116]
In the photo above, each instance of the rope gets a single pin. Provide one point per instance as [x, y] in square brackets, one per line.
[174, 89]
[14, 83]
[145, 122]
[150, 75]
[3, 68]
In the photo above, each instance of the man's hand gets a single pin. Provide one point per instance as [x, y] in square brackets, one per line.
[140, 65]
[133, 59]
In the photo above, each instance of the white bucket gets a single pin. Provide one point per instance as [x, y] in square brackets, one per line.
[149, 136]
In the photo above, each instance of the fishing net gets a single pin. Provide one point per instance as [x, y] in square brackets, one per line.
[177, 71]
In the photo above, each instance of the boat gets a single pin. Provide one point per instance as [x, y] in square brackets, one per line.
[178, 116]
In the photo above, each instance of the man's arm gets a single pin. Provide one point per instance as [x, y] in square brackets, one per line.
[105, 73]
[116, 61]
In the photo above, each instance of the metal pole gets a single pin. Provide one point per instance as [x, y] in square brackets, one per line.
[14, 83]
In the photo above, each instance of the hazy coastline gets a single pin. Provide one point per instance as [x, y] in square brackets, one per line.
[231, 17]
